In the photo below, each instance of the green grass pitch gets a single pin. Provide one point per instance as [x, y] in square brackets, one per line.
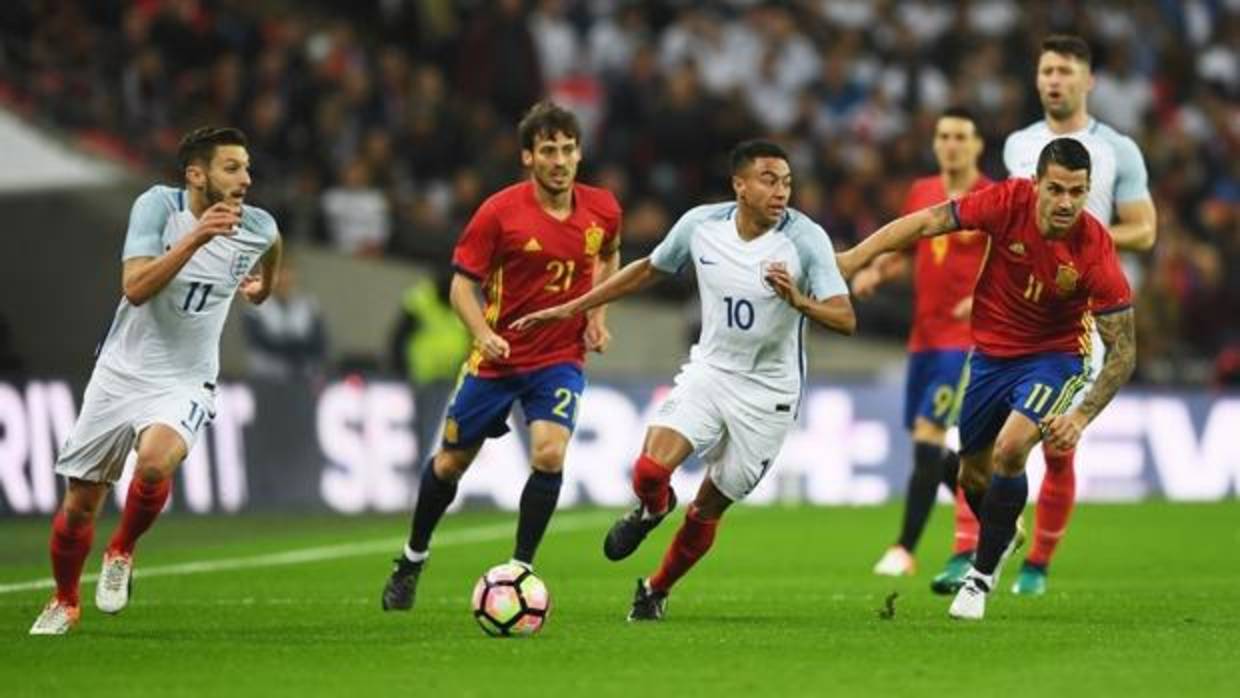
[1144, 600]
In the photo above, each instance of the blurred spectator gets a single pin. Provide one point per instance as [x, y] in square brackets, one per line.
[1121, 95]
[614, 39]
[559, 51]
[357, 214]
[498, 63]
[285, 335]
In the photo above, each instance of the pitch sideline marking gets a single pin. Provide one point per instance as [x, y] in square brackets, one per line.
[478, 534]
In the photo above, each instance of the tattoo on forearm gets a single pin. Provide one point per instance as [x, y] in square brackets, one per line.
[1119, 336]
[942, 220]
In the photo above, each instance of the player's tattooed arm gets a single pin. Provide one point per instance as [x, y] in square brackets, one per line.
[1119, 335]
[897, 235]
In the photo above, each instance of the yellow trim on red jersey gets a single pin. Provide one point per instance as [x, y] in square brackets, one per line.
[495, 297]
[1085, 339]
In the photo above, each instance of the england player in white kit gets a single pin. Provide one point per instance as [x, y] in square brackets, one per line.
[762, 269]
[187, 253]
[1118, 196]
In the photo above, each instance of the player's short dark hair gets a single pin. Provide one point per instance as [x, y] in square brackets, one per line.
[198, 146]
[746, 152]
[959, 113]
[1065, 152]
[1068, 45]
[545, 119]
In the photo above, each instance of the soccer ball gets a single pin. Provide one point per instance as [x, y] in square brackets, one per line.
[509, 600]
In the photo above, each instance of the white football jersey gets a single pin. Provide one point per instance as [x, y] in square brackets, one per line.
[1117, 171]
[174, 338]
[746, 328]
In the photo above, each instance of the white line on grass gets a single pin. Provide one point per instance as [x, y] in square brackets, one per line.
[478, 534]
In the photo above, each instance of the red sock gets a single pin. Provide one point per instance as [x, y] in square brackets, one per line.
[1055, 502]
[966, 526]
[692, 541]
[650, 482]
[69, 546]
[142, 506]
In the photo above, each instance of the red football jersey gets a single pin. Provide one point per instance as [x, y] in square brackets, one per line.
[1035, 294]
[944, 270]
[527, 261]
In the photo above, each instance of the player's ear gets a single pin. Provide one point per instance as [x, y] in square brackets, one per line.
[738, 184]
[195, 175]
[527, 157]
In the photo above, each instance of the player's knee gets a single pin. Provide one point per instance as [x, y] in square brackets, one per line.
[1010, 457]
[973, 475]
[152, 467]
[79, 516]
[450, 466]
[81, 506]
[973, 479]
[548, 457]
[708, 511]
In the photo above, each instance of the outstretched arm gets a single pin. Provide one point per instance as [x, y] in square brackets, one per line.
[888, 266]
[1119, 335]
[633, 277]
[897, 235]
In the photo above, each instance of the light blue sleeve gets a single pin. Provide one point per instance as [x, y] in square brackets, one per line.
[1131, 178]
[147, 218]
[1009, 154]
[673, 252]
[260, 221]
[818, 260]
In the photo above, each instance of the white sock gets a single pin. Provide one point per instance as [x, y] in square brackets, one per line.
[413, 556]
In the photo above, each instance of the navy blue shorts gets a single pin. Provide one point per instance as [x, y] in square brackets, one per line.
[1036, 386]
[480, 406]
[930, 391]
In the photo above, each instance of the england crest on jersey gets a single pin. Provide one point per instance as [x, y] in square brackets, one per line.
[242, 263]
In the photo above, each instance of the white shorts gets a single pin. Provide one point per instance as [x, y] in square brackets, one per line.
[735, 425]
[114, 413]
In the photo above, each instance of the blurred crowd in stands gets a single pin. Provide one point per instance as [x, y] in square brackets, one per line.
[377, 126]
